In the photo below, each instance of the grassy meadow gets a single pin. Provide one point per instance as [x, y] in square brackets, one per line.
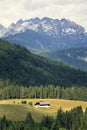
[14, 110]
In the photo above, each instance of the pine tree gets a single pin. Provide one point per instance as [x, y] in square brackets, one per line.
[29, 122]
[61, 118]
[47, 122]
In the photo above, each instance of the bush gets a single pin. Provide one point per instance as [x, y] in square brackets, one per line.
[30, 103]
[24, 102]
[13, 101]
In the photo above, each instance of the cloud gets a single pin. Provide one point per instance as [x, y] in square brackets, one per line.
[13, 10]
[68, 2]
[36, 4]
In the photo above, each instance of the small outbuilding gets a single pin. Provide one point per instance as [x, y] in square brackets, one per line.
[42, 104]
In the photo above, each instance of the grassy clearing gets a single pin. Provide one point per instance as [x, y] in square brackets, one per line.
[17, 111]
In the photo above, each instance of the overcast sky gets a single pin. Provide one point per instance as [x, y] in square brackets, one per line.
[13, 10]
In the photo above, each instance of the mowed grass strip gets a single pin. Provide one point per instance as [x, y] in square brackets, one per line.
[14, 110]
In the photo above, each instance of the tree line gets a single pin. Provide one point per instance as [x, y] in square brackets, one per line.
[75, 119]
[50, 91]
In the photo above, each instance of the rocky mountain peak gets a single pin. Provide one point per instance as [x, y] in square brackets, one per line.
[49, 26]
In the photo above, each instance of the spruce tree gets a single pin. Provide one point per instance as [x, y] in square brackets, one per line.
[29, 122]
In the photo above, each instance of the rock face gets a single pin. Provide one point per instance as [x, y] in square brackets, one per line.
[45, 34]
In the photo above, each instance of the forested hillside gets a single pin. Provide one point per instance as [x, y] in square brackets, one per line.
[19, 66]
[76, 57]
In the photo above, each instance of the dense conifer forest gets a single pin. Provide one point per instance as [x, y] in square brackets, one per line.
[20, 67]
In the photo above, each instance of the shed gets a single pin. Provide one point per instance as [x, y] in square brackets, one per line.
[42, 104]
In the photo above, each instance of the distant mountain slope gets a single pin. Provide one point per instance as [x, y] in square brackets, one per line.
[76, 57]
[31, 40]
[46, 34]
[21, 67]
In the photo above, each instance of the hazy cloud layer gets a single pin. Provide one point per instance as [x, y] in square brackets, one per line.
[13, 10]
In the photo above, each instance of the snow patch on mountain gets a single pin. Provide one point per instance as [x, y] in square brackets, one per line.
[1, 27]
[83, 58]
[69, 30]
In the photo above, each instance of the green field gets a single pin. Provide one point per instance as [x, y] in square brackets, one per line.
[14, 110]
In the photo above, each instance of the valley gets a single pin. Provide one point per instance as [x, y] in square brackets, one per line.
[43, 60]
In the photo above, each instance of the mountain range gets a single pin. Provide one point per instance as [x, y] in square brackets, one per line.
[48, 35]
